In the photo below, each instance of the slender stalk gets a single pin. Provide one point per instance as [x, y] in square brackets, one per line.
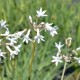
[1, 71]
[62, 77]
[1, 77]
[64, 69]
[31, 60]
[78, 77]
[13, 68]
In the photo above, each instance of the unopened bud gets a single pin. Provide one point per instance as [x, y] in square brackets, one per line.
[68, 41]
[75, 52]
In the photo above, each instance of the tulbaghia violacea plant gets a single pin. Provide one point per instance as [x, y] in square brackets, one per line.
[39, 26]
[34, 35]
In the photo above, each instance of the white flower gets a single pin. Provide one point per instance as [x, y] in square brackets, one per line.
[41, 13]
[3, 24]
[78, 59]
[59, 46]
[78, 48]
[2, 54]
[6, 33]
[52, 30]
[26, 37]
[30, 18]
[57, 59]
[17, 47]
[75, 52]
[19, 34]
[48, 26]
[12, 53]
[38, 37]
[12, 40]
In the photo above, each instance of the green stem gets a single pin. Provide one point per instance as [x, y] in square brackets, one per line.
[64, 69]
[62, 77]
[78, 77]
[1, 72]
[13, 66]
[31, 60]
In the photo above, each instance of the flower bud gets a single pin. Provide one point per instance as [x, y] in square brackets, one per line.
[68, 41]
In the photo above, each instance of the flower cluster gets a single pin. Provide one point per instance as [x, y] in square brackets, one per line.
[67, 56]
[11, 41]
[38, 27]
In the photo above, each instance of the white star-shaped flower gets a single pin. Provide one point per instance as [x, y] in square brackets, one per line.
[2, 54]
[38, 37]
[78, 48]
[26, 37]
[52, 30]
[6, 32]
[57, 59]
[48, 26]
[17, 47]
[19, 34]
[12, 40]
[3, 24]
[59, 46]
[78, 59]
[41, 13]
[12, 53]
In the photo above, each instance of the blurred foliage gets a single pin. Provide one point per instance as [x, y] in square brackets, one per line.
[63, 13]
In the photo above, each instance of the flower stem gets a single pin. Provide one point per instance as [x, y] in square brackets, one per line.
[1, 71]
[78, 77]
[31, 60]
[13, 68]
[62, 77]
